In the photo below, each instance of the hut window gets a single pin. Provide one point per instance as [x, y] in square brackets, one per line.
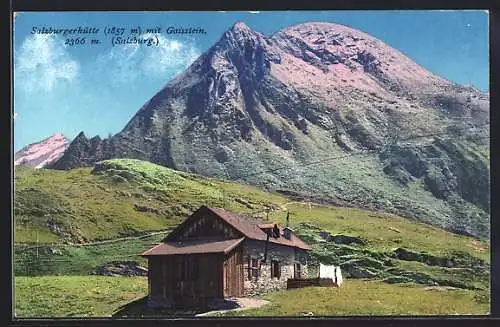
[275, 269]
[253, 268]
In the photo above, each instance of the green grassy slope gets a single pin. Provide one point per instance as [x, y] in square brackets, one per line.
[102, 205]
[127, 197]
[30, 260]
[382, 232]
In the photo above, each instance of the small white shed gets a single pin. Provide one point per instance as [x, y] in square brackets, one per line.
[333, 272]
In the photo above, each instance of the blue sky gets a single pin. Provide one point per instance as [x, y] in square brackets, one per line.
[97, 89]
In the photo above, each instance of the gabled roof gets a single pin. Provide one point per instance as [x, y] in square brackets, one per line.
[194, 247]
[246, 225]
[250, 227]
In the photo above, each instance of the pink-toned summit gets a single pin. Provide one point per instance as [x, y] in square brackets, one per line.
[40, 154]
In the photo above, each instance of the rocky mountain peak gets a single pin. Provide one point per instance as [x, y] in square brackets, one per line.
[242, 28]
[353, 59]
[80, 137]
[43, 153]
[241, 44]
[58, 136]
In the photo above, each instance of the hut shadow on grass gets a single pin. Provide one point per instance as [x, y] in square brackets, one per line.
[139, 308]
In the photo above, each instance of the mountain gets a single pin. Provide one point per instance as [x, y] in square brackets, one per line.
[318, 110]
[43, 153]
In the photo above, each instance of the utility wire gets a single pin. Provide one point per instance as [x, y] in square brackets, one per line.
[305, 164]
[98, 243]
[442, 133]
[362, 154]
[45, 260]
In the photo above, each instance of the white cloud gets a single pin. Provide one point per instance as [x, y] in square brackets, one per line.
[254, 12]
[42, 62]
[171, 54]
[127, 63]
[15, 115]
[120, 63]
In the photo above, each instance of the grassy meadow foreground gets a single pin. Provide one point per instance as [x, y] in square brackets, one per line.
[85, 218]
[362, 297]
[75, 296]
[98, 296]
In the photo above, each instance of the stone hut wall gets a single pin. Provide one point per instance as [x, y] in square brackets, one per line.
[264, 282]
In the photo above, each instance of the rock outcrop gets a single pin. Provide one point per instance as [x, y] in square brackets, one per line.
[122, 268]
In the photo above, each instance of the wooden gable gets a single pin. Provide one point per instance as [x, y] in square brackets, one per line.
[203, 223]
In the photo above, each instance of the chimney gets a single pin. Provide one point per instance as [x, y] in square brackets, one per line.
[276, 231]
[265, 249]
[287, 232]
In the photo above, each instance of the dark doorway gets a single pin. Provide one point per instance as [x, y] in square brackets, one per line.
[297, 271]
[275, 269]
